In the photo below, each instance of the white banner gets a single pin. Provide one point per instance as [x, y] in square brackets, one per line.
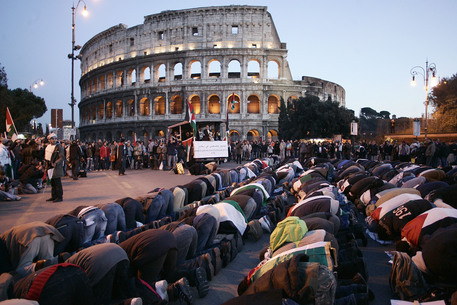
[417, 128]
[354, 127]
[210, 149]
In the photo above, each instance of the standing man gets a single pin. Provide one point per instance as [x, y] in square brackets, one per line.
[75, 158]
[55, 156]
[121, 157]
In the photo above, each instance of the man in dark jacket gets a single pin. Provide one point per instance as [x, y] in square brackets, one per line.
[75, 158]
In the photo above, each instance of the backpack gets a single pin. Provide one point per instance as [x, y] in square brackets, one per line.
[406, 280]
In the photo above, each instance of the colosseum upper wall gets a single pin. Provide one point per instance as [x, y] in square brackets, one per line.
[136, 80]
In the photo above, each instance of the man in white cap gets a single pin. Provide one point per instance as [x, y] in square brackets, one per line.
[55, 156]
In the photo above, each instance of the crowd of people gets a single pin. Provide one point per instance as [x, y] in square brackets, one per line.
[165, 241]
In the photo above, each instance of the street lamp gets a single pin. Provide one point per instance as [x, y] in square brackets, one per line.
[36, 84]
[418, 70]
[73, 57]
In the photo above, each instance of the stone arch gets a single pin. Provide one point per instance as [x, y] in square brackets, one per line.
[234, 69]
[253, 104]
[177, 71]
[176, 104]
[236, 105]
[196, 103]
[93, 137]
[234, 135]
[252, 135]
[214, 104]
[130, 135]
[93, 112]
[145, 74]
[100, 135]
[110, 81]
[145, 136]
[214, 68]
[195, 69]
[130, 107]
[162, 73]
[144, 106]
[119, 109]
[109, 110]
[291, 98]
[119, 78]
[131, 77]
[109, 136]
[273, 104]
[159, 105]
[272, 135]
[253, 68]
[273, 69]
[119, 135]
[101, 110]
[101, 80]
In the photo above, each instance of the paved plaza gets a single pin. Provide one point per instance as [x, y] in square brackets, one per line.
[108, 186]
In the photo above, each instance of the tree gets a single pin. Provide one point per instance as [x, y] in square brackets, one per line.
[443, 98]
[283, 121]
[308, 117]
[23, 104]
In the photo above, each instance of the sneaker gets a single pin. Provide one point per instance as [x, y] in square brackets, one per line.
[135, 301]
[255, 230]
[207, 263]
[63, 257]
[217, 260]
[161, 289]
[180, 290]
[201, 282]
[266, 224]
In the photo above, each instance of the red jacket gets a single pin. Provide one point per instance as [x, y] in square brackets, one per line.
[104, 152]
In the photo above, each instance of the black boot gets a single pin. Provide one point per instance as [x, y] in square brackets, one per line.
[180, 290]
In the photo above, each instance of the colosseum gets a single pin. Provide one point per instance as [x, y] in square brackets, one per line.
[136, 81]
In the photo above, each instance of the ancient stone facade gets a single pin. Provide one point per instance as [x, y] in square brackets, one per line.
[137, 80]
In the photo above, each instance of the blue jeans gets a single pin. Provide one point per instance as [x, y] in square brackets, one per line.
[95, 223]
[115, 217]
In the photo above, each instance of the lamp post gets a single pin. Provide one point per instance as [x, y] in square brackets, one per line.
[36, 84]
[418, 70]
[73, 57]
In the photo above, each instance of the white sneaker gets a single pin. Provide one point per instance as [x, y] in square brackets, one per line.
[265, 223]
[161, 289]
[136, 301]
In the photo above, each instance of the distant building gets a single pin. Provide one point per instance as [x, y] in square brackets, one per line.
[137, 80]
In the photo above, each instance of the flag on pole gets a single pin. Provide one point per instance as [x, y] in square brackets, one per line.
[190, 117]
[10, 127]
[188, 144]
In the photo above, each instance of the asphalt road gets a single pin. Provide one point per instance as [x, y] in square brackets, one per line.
[108, 186]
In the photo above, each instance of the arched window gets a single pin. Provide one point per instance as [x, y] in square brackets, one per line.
[234, 135]
[131, 77]
[102, 82]
[110, 82]
[273, 104]
[93, 111]
[159, 105]
[109, 110]
[291, 98]
[253, 69]
[195, 70]
[131, 108]
[162, 73]
[233, 107]
[144, 106]
[214, 104]
[119, 107]
[234, 69]
[273, 69]
[120, 78]
[176, 105]
[160, 133]
[252, 135]
[272, 135]
[101, 110]
[196, 103]
[178, 71]
[147, 75]
[214, 68]
[253, 104]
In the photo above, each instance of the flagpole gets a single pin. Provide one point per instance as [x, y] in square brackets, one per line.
[12, 121]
